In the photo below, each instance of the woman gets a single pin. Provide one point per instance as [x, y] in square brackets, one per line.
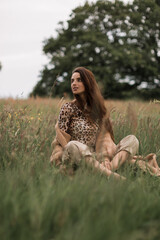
[84, 131]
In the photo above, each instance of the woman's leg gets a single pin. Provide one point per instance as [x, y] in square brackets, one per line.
[147, 163]
[102, 168]
[75, 151]
[123, 156]
[120, 158]
[151, 159]
[126, 149]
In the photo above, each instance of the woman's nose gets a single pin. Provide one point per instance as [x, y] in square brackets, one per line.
[74, 82]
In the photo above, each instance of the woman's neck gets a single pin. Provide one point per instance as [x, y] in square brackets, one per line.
[81, 100]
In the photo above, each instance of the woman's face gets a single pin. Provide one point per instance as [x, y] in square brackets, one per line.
[77, 85]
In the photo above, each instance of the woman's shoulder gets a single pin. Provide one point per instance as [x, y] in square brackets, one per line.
[69, 106]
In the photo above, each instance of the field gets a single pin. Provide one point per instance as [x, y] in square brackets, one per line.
[38, 202]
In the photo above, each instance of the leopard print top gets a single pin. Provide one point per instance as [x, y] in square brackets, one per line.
[73, 121]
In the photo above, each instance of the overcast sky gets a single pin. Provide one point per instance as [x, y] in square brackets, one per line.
[24, 24]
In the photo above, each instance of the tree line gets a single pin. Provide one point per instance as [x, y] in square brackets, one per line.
[119, 42]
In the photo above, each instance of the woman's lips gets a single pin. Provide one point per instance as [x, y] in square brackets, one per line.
[75, 89]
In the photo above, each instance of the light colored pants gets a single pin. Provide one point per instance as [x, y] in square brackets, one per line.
[74, 151]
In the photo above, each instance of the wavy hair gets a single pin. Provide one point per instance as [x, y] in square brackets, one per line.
[94, 98]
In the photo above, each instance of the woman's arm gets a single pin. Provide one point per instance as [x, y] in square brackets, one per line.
[62, 137]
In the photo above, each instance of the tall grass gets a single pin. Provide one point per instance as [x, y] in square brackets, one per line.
[38, 202]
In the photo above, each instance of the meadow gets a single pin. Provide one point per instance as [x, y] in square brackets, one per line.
[38, 202]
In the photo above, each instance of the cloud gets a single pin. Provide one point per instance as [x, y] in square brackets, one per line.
[24, 25]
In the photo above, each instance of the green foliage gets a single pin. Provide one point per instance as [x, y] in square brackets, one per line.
[37, 202]
[0, 66]
[119, 42]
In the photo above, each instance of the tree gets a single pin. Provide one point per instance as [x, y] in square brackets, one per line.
[0, 66]
[119, 42]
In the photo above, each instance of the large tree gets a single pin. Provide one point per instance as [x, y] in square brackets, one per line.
[119, 42]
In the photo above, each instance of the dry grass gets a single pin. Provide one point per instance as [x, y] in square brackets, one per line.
[37, 202]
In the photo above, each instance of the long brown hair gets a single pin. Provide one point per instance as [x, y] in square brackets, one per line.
[94, 98]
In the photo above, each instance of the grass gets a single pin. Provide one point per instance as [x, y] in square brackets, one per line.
[37, 202]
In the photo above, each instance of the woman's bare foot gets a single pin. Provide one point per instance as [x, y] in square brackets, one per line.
[117, 176]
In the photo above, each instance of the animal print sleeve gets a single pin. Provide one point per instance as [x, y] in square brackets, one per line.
[65, 116]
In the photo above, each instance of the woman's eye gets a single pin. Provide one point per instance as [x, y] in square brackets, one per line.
[79, 80]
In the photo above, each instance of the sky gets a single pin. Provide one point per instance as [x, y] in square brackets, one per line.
[24, 25]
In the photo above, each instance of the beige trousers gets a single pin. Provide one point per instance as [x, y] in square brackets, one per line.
[74, 151]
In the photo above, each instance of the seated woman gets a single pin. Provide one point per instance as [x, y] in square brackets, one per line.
[84, 130]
